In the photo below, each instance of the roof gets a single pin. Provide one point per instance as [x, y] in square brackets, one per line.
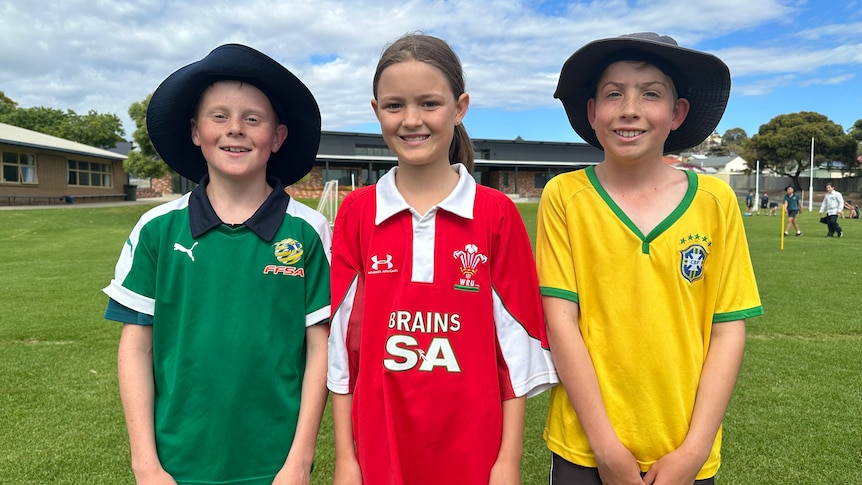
[13, 135]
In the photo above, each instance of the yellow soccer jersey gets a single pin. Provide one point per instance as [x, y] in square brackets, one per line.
[647, 303]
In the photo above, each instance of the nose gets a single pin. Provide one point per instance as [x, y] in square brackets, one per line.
[235, 127]
[630, 106]
[412, 117]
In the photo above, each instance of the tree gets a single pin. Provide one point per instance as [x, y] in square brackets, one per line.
[93, 129]
[143, 160]
[784, 144]
[734, 140]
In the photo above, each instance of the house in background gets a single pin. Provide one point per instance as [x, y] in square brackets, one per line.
[517, 167]
[727, 164]
[36, 168]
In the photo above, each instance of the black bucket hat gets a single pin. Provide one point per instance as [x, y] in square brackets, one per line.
[701, 78]
[174, 101]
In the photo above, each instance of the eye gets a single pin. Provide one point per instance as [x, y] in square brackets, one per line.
[392, 106]
[430, 104]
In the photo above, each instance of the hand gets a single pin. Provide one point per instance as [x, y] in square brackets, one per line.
[676, 467]
[619, 467]
[347, 473]
[505, 473]
[156, 477]
[293, 473]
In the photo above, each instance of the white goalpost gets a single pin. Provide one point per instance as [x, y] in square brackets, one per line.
[328, 204]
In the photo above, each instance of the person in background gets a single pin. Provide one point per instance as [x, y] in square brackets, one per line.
[832, 205]
[792, 205]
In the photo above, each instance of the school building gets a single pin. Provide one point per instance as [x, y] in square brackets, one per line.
[42, 169]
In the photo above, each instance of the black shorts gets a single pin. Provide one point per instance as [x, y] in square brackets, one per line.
[564, 472]
[792, 213]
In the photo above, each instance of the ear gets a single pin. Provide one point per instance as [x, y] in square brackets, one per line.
[680, 112]
[196, 138]
[374, 107]
[461, 107]
[280, 136]
[591, 112]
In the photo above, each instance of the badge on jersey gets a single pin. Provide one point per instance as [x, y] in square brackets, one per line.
[691, 262]
[470, 258]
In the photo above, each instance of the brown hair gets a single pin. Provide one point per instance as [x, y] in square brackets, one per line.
[436, 52]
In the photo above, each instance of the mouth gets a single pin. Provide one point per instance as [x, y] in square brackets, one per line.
[235, 149]
[414, 138]
[629, 133]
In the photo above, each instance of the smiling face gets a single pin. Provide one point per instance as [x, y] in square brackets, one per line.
[634, 110]
[237, 130]
[417, 111]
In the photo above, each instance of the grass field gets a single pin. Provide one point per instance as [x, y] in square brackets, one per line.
[796, 416]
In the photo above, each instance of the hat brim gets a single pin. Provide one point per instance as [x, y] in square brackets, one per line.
[173, 103]
[705, 77]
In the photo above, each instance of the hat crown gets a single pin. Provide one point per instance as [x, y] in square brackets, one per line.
[651, 36]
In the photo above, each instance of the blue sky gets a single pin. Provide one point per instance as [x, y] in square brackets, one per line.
[784, 56]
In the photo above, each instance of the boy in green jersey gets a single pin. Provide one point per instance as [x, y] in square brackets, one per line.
[224, 293]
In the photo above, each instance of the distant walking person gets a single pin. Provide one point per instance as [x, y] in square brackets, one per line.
[764, 202]
[792, 203]
[749, 203]
[833, 205]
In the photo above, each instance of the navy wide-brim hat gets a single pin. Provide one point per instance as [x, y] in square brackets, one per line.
[701, 78]
[174, 101]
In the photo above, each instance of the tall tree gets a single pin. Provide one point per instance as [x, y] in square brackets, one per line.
[143, 160]
[94, 129]
[784, 144]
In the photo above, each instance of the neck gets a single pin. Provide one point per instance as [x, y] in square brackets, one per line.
[235, 202]
[425, 186]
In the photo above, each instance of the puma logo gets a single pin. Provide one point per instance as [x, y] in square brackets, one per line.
[179, 247]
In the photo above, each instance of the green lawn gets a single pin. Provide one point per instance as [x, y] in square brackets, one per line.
[796, 416]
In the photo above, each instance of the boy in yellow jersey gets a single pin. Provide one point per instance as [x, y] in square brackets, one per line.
[644, 271]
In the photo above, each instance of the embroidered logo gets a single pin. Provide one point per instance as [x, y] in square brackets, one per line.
[179, 247]
[691, 262]
[382, 265]
[376, 262]
[289, 253]
[470, 258]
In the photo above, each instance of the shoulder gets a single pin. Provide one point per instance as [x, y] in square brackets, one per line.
[359, 198]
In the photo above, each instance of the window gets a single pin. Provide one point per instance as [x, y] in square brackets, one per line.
[89, 174]
[541, 178]
[19, 168]
[482, 154]
[373, 151]
[345, 176]
[505, 179]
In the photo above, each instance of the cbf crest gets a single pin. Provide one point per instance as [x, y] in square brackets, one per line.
[691, 262]
[469, 258]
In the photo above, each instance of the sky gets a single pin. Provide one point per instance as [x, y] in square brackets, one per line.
[785, 56]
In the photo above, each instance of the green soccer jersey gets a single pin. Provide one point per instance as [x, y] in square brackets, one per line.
[230, 307]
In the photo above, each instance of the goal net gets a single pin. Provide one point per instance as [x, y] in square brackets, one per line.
[328, 204]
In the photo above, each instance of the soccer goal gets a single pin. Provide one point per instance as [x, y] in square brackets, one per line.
[328, 204]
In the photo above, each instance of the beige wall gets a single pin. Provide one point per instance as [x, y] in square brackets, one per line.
[51, 175]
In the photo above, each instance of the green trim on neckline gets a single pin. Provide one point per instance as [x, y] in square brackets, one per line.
[668, 221]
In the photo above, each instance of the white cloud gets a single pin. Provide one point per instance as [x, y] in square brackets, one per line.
[106, 55]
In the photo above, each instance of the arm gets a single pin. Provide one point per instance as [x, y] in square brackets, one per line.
[346, 463]
[297, 467]
[507, 468]
[137, 391]
[616, 464]
[717, 381]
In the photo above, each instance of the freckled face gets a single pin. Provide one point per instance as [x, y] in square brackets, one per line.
[417, 112]
[634, 110]
[237, 129]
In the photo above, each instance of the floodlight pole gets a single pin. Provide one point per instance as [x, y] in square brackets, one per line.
[811, 180]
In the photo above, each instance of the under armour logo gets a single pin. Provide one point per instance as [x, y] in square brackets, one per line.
[376, 263]
[179, 247]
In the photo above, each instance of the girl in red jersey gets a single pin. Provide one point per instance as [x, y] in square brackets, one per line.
[437, 333]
